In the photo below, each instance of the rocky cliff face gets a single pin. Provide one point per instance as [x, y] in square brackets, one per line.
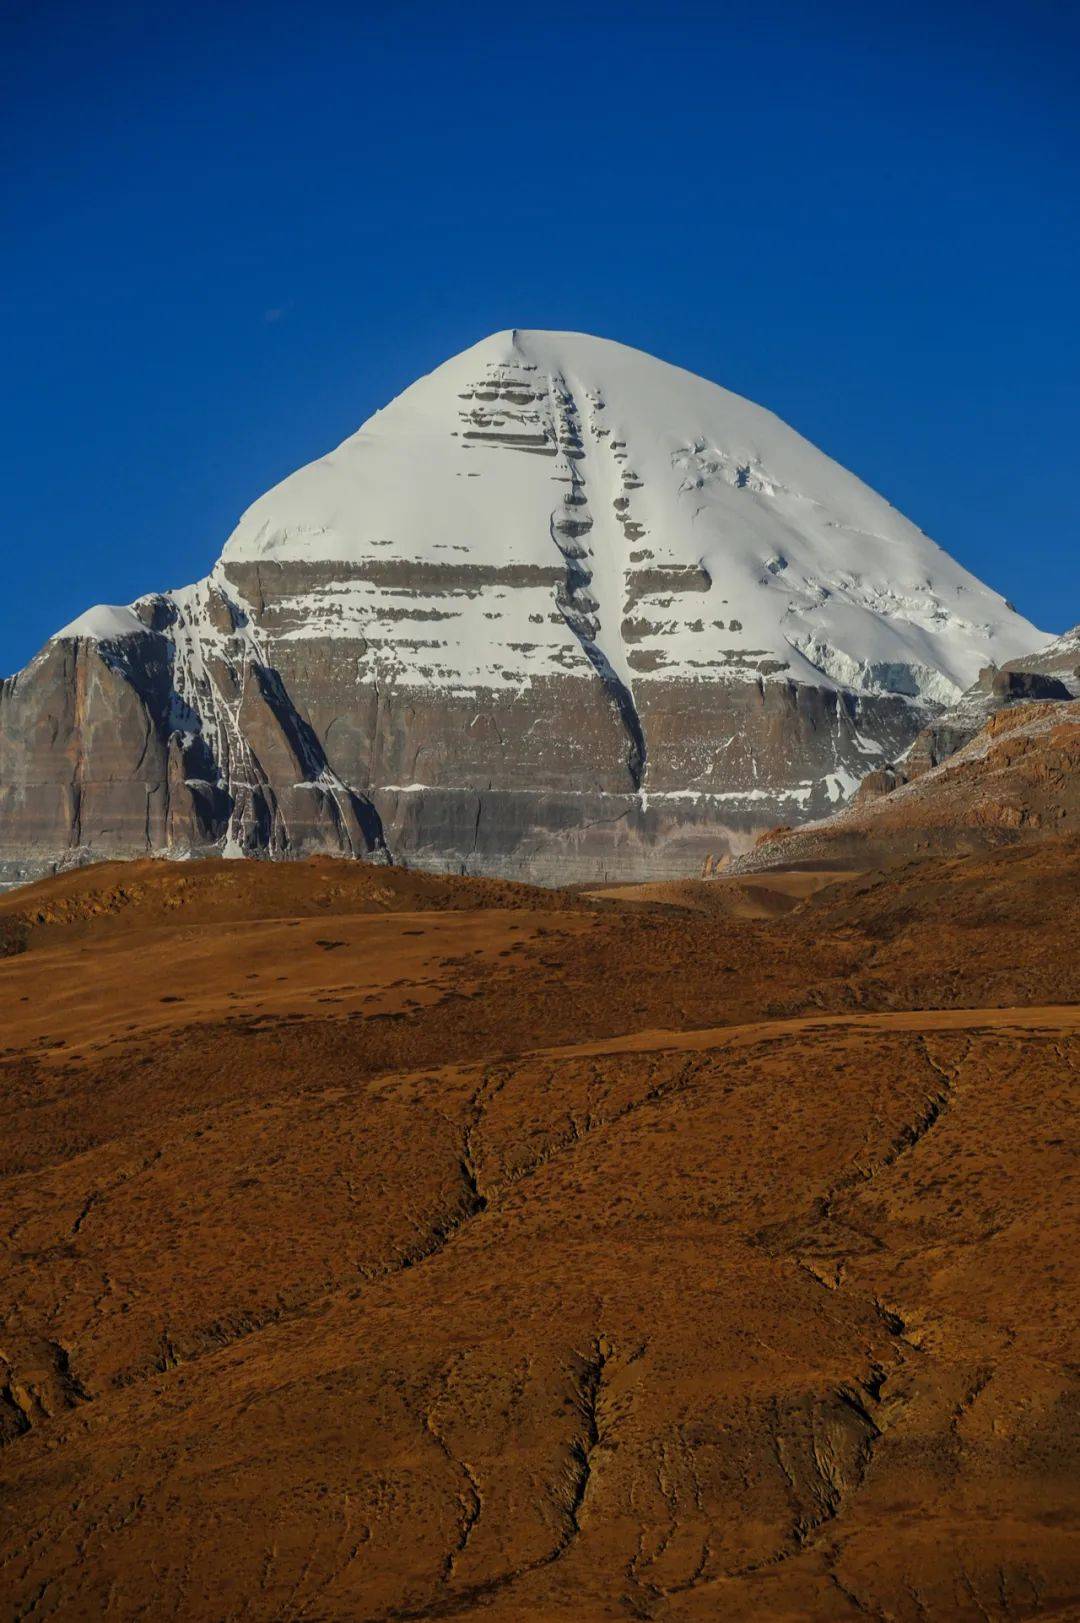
[559, 611]
[1016, 780]
[1050, 673]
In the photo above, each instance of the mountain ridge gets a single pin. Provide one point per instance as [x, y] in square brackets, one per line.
[559, 610]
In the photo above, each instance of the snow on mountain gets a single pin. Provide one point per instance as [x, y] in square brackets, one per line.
[533, 448]
[560, 610]
[104, 623]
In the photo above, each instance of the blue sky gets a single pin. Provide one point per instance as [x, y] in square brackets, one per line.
[232, 232]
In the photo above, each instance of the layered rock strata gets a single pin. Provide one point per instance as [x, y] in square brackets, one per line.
[560, 611]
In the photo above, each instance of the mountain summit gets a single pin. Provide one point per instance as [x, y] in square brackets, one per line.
[560, 610]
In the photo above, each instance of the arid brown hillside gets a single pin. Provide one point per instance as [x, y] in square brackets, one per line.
[386, 1247]
[1017, 780]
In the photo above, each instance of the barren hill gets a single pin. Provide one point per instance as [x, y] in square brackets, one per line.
[392, 1247]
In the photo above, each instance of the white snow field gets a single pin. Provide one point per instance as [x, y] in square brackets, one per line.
[636, 466]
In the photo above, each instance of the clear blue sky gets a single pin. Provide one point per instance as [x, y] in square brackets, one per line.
[231, 233]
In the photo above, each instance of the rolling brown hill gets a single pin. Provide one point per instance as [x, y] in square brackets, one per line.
[383, 1246]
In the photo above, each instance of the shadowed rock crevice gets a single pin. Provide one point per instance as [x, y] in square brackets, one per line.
[571, 1491]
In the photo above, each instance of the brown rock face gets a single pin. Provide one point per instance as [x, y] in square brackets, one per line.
[1018, 778]
[386, 1246]
[1052, 673]
[110, 747]
[199, 732]
[80, 757]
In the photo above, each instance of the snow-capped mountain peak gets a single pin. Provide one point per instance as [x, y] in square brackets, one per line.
[706, 536]
[559, 610]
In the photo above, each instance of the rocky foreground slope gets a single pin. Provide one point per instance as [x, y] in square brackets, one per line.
[1017, 779]
[388, 1246]
[559, 611]
[1050, 673]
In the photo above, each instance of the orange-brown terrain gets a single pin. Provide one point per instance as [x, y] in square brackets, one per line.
[1018, 778]
[388, 1247]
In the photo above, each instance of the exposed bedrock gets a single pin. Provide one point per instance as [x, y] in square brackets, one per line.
[1050, 674]
[102, 757]
[88, 762]
[106, 750]
[559, 611]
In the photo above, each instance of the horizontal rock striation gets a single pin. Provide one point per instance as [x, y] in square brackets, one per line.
[560, 611]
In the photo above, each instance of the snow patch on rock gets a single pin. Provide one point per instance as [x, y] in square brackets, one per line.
[701, 537]
[105, 622]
